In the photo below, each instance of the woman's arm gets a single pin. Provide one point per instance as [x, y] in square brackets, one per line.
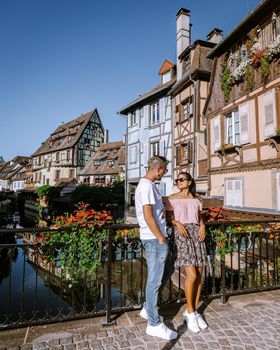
[202, 233]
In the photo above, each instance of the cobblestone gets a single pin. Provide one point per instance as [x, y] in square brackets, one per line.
[240, 326]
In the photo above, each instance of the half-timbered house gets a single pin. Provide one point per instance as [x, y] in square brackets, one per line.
[188, 99]
[243, 113]
[67, 149]
[105, 166]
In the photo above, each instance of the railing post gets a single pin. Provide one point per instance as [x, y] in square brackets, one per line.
[223, 276]
[108, 321]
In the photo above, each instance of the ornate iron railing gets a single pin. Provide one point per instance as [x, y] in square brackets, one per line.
[34, 292]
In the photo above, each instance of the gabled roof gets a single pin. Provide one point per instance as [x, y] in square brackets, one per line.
[149, 96]
[264, 9]
[166, 66]
[67, 134]
[108, 151]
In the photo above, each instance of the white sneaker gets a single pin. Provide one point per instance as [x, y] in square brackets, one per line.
[201, 323]
[161, 331]
[191, 321]
[144, 314]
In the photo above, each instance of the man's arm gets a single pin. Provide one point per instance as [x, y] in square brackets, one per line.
[151, 222]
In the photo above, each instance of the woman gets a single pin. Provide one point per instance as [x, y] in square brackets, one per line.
[184, 212]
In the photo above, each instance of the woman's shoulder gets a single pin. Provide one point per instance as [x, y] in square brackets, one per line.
[173, 196]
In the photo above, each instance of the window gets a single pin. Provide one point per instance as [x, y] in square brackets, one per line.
[155, 113]
[184, 153]
[57, 174]
[57, 157]
[132, 155]
[232, 128]
[71, 173]
[154, 149]
[133, 118]
[166, 77]
[187, 109]
[269, 113]
[68, 154]
[233, 192]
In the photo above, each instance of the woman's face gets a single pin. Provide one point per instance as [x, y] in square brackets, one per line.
[182, 182]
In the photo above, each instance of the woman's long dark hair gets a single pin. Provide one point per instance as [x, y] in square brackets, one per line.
[192, 188]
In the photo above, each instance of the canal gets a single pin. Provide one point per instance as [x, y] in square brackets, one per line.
[30, 292]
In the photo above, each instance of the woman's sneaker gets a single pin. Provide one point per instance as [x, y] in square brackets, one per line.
[161, 331]
[201, 323]
[144, 314]
[191, 321]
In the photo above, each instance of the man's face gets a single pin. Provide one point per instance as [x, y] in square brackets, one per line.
[162, 172]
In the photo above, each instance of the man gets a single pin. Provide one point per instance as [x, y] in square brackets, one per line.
[151, 218]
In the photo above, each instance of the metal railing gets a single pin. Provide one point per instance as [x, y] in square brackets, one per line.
[33, 291]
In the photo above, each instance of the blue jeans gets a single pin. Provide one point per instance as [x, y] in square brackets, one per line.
[156, 255]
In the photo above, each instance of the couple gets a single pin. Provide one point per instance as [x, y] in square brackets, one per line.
[183, 211]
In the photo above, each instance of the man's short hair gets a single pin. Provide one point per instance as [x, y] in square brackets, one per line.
[157, 162]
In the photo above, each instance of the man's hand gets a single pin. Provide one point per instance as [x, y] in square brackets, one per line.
[162, 240]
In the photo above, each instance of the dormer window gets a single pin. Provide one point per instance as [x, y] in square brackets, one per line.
[110, 162]
[166, 77]
[96, 163]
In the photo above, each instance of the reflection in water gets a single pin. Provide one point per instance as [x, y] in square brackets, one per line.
[30, 292]
[7, 255]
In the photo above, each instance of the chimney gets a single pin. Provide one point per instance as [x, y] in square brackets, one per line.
[106, 136]
[183, 36]
[215, 36]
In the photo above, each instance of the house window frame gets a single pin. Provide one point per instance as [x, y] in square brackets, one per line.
[226, 195]
[154, 116]
[154, 148]
[166, 77]
[187, 109]
[232, 122]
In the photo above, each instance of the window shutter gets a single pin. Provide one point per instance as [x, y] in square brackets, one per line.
[244, 123]
[237, 193]
[162, 109]
[269, 114]
[129, 119]
[145, 154]
[178, 154]
[162, 148]
[137, 119]
[229, 193]
[216, 133]
[146, 113]
[190, 152]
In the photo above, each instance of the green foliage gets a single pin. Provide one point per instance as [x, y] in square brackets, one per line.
[50, 192]
[265, 67]
[99, 197]
[79, 242]
[249, 76]
[226, 81]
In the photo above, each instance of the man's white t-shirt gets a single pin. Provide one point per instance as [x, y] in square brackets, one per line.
[148, 193]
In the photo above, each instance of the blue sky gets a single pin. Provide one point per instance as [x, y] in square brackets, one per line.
[61, 58]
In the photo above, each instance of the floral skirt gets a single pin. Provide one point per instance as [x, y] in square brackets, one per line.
[190, 251]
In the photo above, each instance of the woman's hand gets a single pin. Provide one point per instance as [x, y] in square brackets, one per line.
[202, 233]
[181, 229]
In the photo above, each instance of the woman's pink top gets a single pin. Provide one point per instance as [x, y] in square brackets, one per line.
[186, 210]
